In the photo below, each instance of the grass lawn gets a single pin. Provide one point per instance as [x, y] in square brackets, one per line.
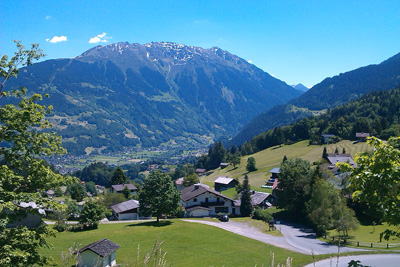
[186, 244]
[367, 234]
[272, 157]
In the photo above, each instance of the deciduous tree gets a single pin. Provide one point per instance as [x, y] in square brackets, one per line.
[24, 176]
[158, 196]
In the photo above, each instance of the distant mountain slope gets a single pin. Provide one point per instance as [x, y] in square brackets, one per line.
[300, 87]
[330, 93]
[121, 95]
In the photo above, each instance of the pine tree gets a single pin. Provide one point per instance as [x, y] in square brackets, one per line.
[245, 205]
[284, 159]
[324, 154]
[118, 177]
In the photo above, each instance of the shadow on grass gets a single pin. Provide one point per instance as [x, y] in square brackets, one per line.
[151, 224]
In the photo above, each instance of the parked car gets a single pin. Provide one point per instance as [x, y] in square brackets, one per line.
[224, 218]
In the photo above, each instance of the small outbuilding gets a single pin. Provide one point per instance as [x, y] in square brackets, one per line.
[100, 253]
[127, 210]
[224, 183]
[362, 137]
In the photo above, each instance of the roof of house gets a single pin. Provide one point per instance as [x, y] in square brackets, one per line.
[275, 170]
[223, 180]
[102, 247]
[334, 158]
[224, 164]
[198, 189]
[200, 170]
[179, 181]
[32, 205]
[258, 197]
[196, 208]
[327, 135]
[120, 187]
[125, 206]
[362, 134]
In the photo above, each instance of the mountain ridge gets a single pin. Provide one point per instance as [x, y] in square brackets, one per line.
[123, 95]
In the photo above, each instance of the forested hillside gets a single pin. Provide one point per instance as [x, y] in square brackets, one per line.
[377, 113]
[330, 93]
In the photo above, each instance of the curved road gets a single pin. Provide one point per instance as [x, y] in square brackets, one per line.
[294, 238]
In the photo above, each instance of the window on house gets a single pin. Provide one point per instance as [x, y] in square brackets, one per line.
[206, 199]
[221, 209]
[217, 199]
[195, 200]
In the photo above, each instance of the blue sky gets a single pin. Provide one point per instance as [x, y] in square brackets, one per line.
[296, 41]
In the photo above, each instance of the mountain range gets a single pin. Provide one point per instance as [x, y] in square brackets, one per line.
[329, 93]
[125, 95]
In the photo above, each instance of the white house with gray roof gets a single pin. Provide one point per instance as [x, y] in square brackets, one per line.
[127, 210]
[224, 183]
[201, 201]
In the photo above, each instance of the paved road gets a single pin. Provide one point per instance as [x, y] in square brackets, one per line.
[294, 238]
[378, 260]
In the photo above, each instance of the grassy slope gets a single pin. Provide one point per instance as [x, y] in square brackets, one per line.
[272, 157]
[186, 244]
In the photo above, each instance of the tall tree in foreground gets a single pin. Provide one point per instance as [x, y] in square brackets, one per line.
[158, 196]
[376, 180]
[245, 199]
[24, 176]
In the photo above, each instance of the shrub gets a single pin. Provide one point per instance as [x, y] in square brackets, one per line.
[263, 215]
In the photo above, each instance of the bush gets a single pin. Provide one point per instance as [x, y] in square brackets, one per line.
[263, 215]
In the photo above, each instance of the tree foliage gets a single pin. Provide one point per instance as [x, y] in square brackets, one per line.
[191, 179]
[98, 172]
[24, 176]
[251, 164]
[92, 212]
[294, 186]
[118, 176]
[376, 179]
[77, 191]
[158, 196]
[245, 199]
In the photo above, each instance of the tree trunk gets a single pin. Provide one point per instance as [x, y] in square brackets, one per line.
[158, 219]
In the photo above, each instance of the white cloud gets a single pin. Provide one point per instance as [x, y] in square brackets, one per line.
[100, 38]
[48, 17]
[249, 61]
[57, 39]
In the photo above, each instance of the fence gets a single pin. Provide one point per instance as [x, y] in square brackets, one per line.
[365, 244]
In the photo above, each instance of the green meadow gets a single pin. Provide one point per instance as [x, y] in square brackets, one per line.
[186, 244]
[272, 157]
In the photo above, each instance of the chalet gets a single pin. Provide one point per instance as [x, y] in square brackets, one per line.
[179, 184]
[273, 180]
[327, 137]
[224, 183]
[200, 172]
[334, 158]
[362, 137]
[100, 253]
[259, 200]
[127, 210]
[201, 201]
[119, 188]
[223, 165]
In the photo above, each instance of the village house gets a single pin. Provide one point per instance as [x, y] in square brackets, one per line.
[200, 172]
[119, 188]
[273, 180]
[201, 201]
[327, 137]
[260, 200]
[33, 219]
[224, 183]
[223, 165]
[179, 184]
[334, 158]
[127, 210]
[362, 137]
[100, 254]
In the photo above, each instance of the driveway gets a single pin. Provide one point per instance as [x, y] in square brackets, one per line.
[294, 238]
[378, 260]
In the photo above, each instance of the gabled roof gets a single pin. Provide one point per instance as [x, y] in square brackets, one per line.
[198, 189]
[362, 135]
[258, 197]
[200, 170]
[275, 170]
[223, 180]
[102, 247]
[334, 158]
[125, 206]
[120, 187]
